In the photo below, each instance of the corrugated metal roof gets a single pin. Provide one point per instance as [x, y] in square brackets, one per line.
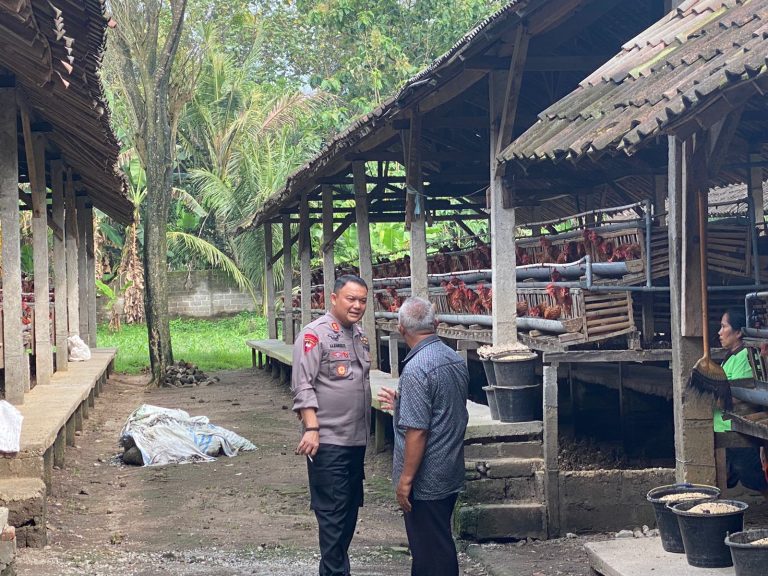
[696, 53]
[54, 48]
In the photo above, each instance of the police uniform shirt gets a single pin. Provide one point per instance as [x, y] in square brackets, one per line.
[330, 373]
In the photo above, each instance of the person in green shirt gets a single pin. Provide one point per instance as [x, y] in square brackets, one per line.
[743, 464]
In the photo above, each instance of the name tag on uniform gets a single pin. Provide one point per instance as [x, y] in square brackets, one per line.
[338, 345]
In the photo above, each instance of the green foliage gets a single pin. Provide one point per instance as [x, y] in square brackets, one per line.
[217, 344]
[362, 50]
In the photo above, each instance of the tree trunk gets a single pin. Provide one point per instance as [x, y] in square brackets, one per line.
[159, 169]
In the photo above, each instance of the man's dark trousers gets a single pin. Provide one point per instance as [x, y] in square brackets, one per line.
[428, 526]
[336, 493]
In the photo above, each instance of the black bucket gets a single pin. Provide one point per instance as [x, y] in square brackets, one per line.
[515, 369]
[666, 521]
[519, 403]
[490, 395]
[490, 373]
[748, 560]
[704, 534]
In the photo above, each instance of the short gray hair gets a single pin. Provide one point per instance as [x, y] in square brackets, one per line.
[417, 316]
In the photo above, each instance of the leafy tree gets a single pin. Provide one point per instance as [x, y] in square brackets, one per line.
[153, 85]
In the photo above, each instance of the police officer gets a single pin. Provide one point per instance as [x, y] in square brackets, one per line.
[332, 398]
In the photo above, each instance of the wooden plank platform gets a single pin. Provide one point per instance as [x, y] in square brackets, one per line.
[480, 424]
[47, 408]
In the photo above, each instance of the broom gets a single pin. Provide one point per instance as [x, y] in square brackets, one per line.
[707, 377]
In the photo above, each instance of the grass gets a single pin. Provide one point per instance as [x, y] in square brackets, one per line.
[215, 344]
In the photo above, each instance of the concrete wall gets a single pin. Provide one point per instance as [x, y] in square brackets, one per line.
[199, 294]
[609, 500]
[204, 293]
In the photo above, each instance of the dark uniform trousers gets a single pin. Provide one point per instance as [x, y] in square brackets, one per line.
[336, 493]
[428, 526]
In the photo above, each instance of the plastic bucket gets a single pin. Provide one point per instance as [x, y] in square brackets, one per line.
[748, 560]
[519, 403]
[704, 534]
[490, 373]
[490, 394]
[666, 521]
[517, 369]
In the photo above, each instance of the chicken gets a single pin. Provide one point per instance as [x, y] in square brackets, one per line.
[395, 299]
[605, 249]
[522, 257]
[549, 252]
[384, 300]
[470, 297]
[484, 299]
[561, 296]
[454, 293]
[551, 312]
[522, 307]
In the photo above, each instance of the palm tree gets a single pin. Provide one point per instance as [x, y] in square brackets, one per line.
[243, 139]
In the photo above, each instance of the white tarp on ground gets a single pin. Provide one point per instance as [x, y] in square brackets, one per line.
[166, 436]
[10, 428]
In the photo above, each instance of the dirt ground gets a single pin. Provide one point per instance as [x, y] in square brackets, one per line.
[245, 515]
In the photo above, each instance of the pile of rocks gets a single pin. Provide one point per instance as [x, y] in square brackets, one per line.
[186, 375]
[7, 545]
[643, 532]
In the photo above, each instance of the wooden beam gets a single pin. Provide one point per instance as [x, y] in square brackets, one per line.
[583, 63]
[83, 282]
[90, 261]
[59, 265]
[694, 439]
[416, 207]
[288, 336]
[71, 231]
[366, 263]
[13, 344]
[755, 184]
[721, 136]
[329, 268]
[512, 92]
[305, 254]
[269, 282]
[43, 347]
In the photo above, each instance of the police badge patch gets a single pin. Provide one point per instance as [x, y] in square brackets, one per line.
[341, 370]
[310, 341]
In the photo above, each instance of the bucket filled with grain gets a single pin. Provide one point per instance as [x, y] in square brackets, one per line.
[666, 521]
[749, 551]
[704, 527]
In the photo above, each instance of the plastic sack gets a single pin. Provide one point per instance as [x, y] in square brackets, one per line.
[166, 436]
[10, 428]
[78, 350]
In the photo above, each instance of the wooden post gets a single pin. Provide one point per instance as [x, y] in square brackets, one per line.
[305, 252]
[694, 436]
[329, 269]
[551, 449]
[82, 268]
[416, 207]
[43, 348]
[366, 265]
[59, 264]
[13, 341]
[287, 282]
[660, 196]
[269, 282]
[90, 260]
[73, 279]
[394, 354]
[755, 186]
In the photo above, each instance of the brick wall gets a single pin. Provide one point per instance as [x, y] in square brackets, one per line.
[201, 294]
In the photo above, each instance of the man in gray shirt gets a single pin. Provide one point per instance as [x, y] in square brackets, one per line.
[430, 418]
